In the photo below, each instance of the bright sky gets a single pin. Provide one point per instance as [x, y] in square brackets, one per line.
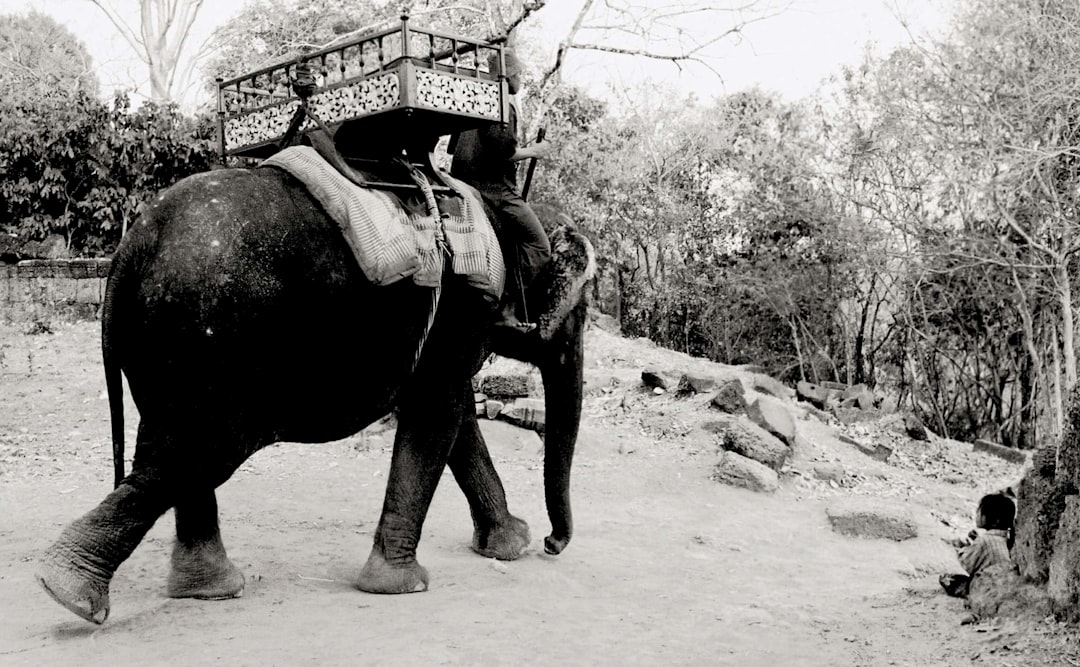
[789, 53]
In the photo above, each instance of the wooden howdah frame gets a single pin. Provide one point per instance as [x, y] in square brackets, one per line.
[428, 79]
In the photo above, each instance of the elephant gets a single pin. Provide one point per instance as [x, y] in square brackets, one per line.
[240, 319]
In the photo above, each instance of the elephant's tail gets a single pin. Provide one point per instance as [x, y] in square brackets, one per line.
[114, 383]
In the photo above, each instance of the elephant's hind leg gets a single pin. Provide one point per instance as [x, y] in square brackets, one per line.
[200, 568]
[496, 532]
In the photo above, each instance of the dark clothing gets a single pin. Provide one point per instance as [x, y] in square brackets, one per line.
[482, 158]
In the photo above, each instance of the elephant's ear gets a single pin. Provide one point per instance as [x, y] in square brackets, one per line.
[573, 265]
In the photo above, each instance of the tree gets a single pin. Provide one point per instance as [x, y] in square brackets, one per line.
[39, 56]
[159, 40]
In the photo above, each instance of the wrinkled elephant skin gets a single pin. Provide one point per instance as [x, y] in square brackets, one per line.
[239, 317]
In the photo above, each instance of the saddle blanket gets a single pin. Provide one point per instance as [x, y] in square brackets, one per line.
[392, 242]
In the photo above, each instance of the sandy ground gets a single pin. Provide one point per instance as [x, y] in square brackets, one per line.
[666, 566]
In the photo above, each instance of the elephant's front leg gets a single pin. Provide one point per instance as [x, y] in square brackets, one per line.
[428, 424]
[496, 532]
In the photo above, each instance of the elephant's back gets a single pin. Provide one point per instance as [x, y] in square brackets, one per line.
[239, 274]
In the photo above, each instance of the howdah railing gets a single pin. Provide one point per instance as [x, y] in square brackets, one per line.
[441, 81]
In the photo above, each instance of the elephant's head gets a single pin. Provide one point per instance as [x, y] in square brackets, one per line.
[558, 351]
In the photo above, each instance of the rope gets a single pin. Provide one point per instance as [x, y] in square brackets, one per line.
[440, 241]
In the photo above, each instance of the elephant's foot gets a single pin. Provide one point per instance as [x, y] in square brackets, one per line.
[203, 572]
[379, 576]
[85, 595]
[504, 541]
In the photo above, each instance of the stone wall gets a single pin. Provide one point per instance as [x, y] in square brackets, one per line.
[45, 289]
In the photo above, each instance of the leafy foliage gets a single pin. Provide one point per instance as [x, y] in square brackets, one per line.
[39, 56]
[81, 168]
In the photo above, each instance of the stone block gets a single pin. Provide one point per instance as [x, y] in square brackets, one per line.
[750, 440]
[506, 386]
[814, 394]
[695, 384]
[773, 416]
[730, 397]
[855, 519]
[526, 413]
[915, 428]
[655, 379]
[878, 452]
[493, 408]
[736, 470]
[1000, 451]
[860, 395]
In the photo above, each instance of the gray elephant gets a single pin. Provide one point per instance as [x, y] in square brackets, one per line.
[240, 318]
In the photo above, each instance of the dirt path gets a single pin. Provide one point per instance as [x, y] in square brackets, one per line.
[666, 567]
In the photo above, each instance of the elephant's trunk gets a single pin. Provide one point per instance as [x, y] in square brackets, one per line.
[561, 369]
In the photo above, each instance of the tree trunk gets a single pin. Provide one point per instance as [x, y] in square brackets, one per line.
[1067, 328]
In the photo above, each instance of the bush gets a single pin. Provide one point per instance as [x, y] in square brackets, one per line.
[73, 165]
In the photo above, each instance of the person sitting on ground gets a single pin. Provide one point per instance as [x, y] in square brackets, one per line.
[487, 159]
[995, 515]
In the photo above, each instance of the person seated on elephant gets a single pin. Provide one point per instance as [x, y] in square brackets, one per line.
[487, 159]
[995, 515]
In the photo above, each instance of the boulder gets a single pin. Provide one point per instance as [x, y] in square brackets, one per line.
[654, 379]
[771, 415]
[737, 470]
[878, 452]
[829, 472]
[1064, 582]
[860, 396]
[855, 519]
[999, 590]
[526, 413]
[1040, 502]
[694, 384]
[493, 408]
[1000, 451]
[505, 386]
[773, 387]
[753, 442]
[730, 397]
[814, 394]
[914, 427]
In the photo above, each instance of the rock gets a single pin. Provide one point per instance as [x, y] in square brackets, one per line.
[771, 415]
[914, 427]
[481, 410]
[479, 397]
[525, 413]
[736, 470]
[730, 397]
[502, 436]
[54, 247]
[860, 395]
[814, 394]
[505, 386]
[605, 322]
[878, 452]
[1040, 502]
[773, 387]
[493, 408]
[1000, 451]
[829, 472]
[1064, 582]
[694, 384]
[999, 590]
[653, 379]
[856, 520]
[850, 415]
[753, 442]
